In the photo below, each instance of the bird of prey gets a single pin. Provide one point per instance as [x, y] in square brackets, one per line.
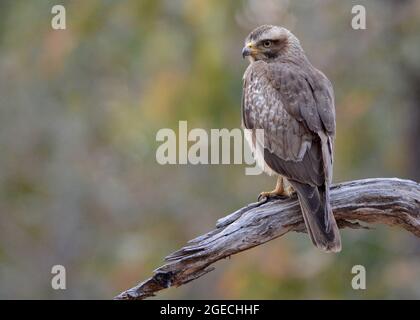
[293, 103]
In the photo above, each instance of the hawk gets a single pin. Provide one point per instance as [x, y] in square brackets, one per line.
[293, 103]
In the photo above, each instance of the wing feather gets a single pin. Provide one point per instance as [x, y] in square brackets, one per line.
[295, 107]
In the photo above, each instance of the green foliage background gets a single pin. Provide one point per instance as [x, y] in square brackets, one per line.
[79, 112]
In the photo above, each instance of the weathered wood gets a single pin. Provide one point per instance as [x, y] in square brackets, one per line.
[394, 202]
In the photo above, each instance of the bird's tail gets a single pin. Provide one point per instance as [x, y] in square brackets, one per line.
[318, 216]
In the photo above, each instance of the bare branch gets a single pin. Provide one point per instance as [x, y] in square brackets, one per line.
[393, 202]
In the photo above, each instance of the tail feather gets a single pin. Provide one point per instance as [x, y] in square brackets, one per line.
[318, 216]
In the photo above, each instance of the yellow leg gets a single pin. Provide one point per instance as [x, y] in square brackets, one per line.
[288, 189]
[283, 189]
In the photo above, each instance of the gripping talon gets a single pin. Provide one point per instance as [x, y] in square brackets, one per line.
[282, 190]
[270, 195]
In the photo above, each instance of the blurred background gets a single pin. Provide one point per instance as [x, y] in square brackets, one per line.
[79, 112]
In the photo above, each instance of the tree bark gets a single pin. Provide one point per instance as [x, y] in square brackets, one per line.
[394, 202]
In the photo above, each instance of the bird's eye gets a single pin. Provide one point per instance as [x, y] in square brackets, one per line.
[267, 43]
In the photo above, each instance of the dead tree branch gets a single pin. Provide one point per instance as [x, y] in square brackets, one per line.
[394, 202]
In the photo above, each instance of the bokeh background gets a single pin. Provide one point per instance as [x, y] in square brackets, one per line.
[79, 112]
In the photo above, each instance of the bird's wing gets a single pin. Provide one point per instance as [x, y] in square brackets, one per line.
[296, 111]
[295, 108]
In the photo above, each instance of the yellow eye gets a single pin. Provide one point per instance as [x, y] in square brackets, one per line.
[267, 43]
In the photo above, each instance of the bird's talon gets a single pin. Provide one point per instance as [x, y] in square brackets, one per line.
[262, 197]
[270, 195]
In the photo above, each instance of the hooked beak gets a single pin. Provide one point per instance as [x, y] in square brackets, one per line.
[248, 50]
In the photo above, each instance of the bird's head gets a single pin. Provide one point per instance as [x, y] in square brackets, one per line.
[268, 43]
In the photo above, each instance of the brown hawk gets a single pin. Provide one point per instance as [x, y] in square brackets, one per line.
[293, 103]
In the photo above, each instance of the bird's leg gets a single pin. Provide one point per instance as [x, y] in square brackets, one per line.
[281, 190]
[288, 189]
